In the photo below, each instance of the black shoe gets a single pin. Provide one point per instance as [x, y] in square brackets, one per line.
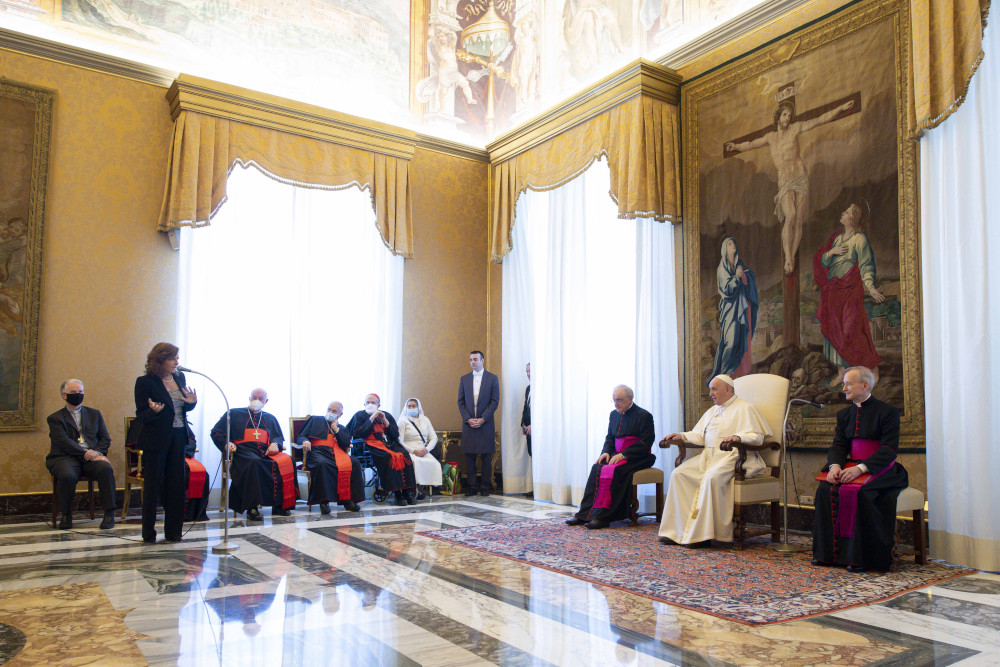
[855, 568]
[324, 508]
[421, 496]
[277, 511]
[410, 498]
[66, 522]
[254, 515]
[109, 520]
[484, 492]
[575, 522]
[668, 541]
[469, 491]
[597, 524]
[172, 540]
[704, 544]
[818, 563]
[400, 501]
[149, 540]
[352, 507]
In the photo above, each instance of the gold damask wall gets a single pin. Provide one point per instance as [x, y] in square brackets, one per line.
[109, 280]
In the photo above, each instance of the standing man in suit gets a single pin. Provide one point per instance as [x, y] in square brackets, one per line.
[526, 412]
[478, 398]
[80, 443]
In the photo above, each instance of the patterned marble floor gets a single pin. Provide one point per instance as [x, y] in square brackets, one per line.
[371, 589]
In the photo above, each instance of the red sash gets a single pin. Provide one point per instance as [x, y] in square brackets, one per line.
[286, 467]
[396, 460]
[196, 478]
[607, 473]
[343, 461]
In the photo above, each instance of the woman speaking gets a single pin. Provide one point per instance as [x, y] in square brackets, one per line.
[162, 400]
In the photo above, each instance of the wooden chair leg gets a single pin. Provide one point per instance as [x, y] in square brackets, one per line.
[55, 502]
[633, 513]
[775, 521]
[659, 502]
[919, 542]
[126, 499]
[90, 496]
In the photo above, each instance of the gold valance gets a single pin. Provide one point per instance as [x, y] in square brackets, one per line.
[641, 140]
[294, 144]
[947, 47]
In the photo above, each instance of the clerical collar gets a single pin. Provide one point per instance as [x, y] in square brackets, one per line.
[862, 402]
[727, 403]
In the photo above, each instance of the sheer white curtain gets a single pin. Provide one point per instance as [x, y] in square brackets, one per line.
[960, 243]
[578, 306]
[290, 289]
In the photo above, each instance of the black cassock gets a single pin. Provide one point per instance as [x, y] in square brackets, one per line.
[257, 479]
[637, 423]
[194, 508]
[395, 467]
[324, 474]
[874, 522]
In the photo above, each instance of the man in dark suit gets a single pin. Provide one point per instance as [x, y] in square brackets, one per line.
[80, 443]
[526, 412]
[478, 398]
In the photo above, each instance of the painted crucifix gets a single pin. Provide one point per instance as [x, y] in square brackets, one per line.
[791, 204]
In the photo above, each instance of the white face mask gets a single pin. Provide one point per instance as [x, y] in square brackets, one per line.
[413, 412]
[256, 405]
[371, 408]
[332, 416]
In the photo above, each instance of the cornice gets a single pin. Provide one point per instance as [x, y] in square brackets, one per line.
[212, 98]
[641, 77]
[431, 143]
[91, 60]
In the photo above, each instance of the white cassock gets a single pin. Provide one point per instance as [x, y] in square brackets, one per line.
[416, 434]
[699, 504]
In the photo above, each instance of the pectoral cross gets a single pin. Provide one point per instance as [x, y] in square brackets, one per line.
[784, 156]
[256, 434]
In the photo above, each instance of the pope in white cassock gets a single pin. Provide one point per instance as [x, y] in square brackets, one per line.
[699, 504]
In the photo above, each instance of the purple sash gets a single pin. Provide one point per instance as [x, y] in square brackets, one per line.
[847, 511]
[608, 472]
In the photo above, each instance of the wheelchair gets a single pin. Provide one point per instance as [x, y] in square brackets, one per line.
[359, 450]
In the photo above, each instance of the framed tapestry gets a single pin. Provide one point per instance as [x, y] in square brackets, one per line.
[801, 239]
[25, 123]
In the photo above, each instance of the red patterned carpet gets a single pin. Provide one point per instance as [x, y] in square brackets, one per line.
[754, 586]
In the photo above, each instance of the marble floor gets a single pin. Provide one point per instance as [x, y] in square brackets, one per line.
[371, 589]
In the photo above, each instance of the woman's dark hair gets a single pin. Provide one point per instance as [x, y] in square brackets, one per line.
[160, 353]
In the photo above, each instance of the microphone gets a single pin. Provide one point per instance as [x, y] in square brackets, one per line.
[185, 369]
[794, 400]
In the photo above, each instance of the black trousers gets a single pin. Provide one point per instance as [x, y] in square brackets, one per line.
[163, 480]
[68, 471]
[484, 479]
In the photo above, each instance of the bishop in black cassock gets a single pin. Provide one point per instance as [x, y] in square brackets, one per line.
[627, 448]
[855, 524]
[258, 479]
[335, 475]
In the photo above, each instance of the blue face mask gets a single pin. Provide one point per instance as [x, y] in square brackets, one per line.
[413, 412]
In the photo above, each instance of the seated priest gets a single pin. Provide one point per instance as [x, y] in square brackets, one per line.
[856, 502]
[607, 496]
[379, 431]
[195, 481]
[699, 502]
[335, 475]
[261, 474]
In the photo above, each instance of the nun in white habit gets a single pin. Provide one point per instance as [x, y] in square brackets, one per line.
[699, 503]
[418, 437]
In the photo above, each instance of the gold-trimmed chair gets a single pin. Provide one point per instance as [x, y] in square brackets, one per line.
[769, 394]
[133, 470]
[648, 476]
[300, 457]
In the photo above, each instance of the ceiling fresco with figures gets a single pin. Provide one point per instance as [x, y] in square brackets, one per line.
[464, 70]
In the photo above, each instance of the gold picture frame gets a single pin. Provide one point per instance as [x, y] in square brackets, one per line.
[806, 133]
[25, 127]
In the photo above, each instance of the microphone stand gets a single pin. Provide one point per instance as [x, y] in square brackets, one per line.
[785, 547]
[225, 546]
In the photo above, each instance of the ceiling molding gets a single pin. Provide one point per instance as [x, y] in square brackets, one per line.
[641, 77]
[91, 60]
[431, 143]
[212, 98]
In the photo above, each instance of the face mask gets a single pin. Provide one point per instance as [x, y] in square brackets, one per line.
[74, 399]
[332, 416]
[256, 405]
[413, 412]
[371, 408]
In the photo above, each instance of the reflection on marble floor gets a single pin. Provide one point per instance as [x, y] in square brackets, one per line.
[371, 589]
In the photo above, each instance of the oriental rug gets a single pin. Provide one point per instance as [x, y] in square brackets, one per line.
[754, 586]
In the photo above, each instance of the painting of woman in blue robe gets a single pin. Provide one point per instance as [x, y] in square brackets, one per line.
[738, 306]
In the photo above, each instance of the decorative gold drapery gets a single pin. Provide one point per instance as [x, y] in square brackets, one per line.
[292, 145]
[639, 137]
[946, 42]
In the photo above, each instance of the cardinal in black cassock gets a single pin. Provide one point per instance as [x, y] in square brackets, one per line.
[335, 475]
[258, 478]
[379, 431]
[856, 521]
